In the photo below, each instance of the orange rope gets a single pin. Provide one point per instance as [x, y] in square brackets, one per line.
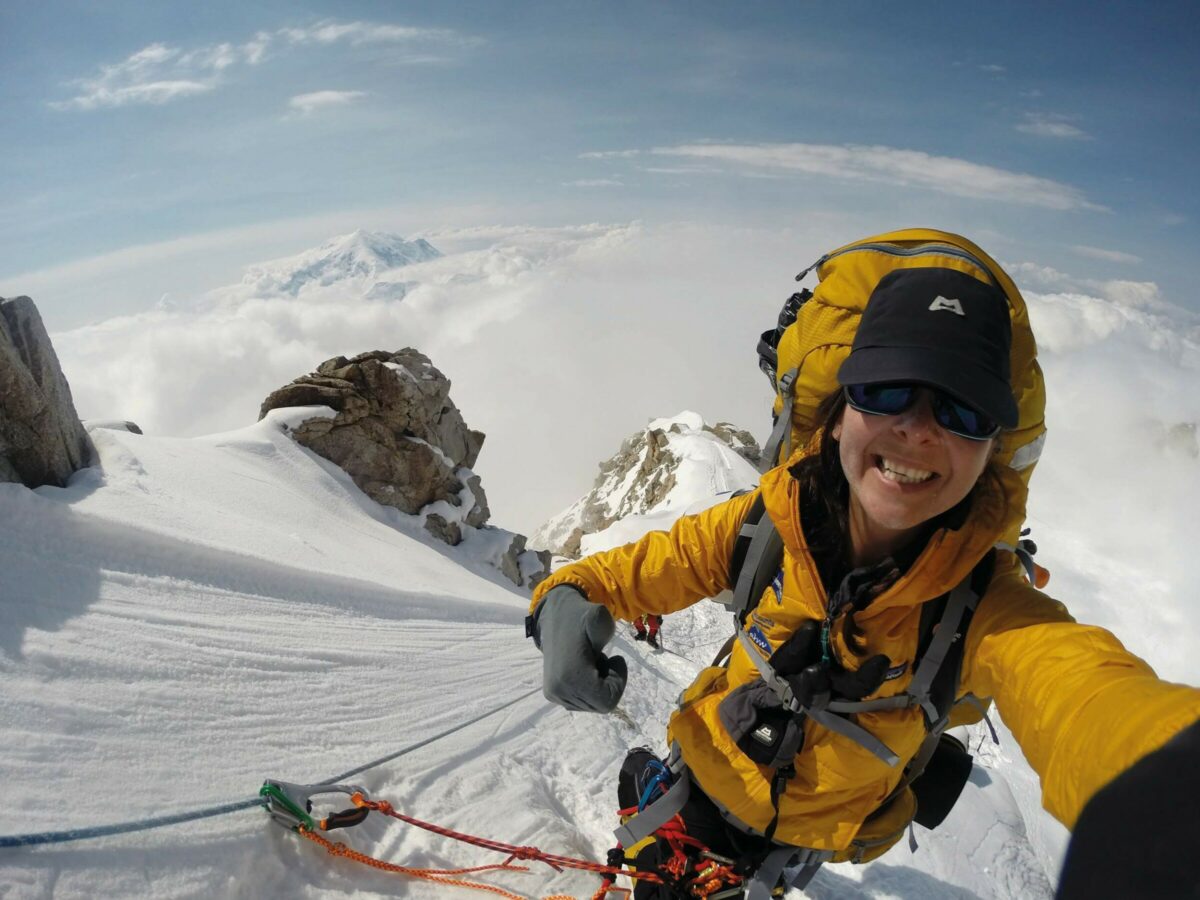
[434, 875]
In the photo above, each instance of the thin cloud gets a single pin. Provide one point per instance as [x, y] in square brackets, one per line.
[329, 32]
[152, 93]
[594, 183]
[154, 75]
[679, 170]
[1053, 126]
[888, 165]
[610, 154]
[160, 73]
[993, 69]
[307, 104]
[254, 51]
[216, 58]
[1117, 256]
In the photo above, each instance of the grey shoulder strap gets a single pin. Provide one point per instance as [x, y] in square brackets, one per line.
[946, 632]
[779, 443]
[963, 599]
[758, 567]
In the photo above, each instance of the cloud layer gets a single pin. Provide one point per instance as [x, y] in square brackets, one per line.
[608, 325]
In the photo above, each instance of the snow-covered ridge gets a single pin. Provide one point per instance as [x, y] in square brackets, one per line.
[360, 255]
[659, 472]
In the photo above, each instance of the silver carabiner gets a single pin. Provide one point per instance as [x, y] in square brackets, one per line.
[290, 804]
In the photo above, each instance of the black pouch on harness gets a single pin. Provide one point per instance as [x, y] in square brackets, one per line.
[760, 726]
[943, 780]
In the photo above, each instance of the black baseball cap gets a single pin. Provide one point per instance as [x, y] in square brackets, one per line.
[939, 327]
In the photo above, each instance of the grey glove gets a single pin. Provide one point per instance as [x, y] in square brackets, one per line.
[571, 631]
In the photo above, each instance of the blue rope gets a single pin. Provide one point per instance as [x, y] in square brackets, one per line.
[79, 834]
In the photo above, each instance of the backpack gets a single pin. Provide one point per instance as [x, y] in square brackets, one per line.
[802, 353]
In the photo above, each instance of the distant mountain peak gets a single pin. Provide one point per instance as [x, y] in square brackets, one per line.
[360, 254]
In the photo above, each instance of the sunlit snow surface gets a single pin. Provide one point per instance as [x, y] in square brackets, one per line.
[192, 616]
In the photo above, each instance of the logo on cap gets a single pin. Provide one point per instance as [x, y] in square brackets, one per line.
[946, 303]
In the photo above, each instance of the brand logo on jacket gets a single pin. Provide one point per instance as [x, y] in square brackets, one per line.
[760, 640]
[946, 303]
[895, 672]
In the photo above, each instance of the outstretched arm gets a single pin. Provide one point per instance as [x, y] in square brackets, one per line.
[1082, 707]
[664, 571]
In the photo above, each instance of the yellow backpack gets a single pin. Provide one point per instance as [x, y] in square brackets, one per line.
[802, 354]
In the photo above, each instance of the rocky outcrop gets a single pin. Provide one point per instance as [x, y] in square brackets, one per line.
[399, 436]
[741, 441]
[42, 441]
[396, 432]
[643, 475]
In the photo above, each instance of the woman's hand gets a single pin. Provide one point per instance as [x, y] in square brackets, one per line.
[571, 632]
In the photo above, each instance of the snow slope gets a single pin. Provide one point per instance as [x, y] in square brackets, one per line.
[192, 616]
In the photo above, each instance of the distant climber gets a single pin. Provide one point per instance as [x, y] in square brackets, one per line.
[646, 629]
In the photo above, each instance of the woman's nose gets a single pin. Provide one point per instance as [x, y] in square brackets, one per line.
[917, 421]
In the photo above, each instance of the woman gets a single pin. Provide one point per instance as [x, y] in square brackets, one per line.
[894, 503]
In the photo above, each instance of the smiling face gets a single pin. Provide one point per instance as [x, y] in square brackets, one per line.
[903, 470]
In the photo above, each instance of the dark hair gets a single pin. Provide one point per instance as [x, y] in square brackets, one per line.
[825, 492]
[825, 500]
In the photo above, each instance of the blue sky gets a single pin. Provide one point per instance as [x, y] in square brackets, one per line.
[1063, 135]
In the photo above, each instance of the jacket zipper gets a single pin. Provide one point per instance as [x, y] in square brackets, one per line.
[892, 250]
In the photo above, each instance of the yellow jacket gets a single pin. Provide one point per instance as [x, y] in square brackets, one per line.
[1081, 706]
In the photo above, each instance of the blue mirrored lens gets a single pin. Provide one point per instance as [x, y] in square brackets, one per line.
[881, 399]
[962, 419]
[893, 399]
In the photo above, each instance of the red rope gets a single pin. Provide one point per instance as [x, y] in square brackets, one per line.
[556, 862]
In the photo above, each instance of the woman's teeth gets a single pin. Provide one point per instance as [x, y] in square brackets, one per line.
[902, 474]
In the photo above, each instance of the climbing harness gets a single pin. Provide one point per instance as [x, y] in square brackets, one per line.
[692, 868]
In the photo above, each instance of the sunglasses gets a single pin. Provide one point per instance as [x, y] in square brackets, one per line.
[893, 399]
